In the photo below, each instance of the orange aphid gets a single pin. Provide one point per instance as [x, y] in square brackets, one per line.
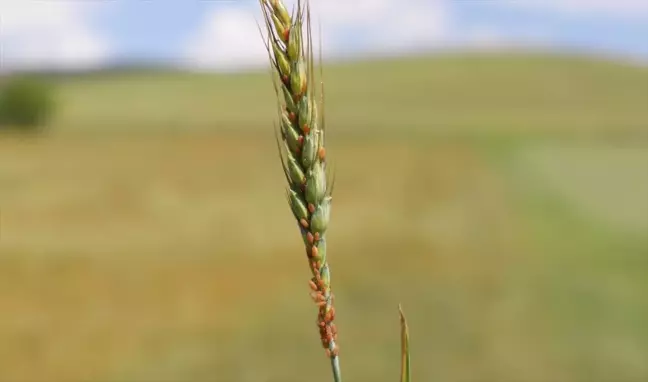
[330, 315]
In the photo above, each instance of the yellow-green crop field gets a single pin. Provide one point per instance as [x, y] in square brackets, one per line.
[145, 237]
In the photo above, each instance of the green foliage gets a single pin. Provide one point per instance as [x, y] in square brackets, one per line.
[406, 368]
[26, 102]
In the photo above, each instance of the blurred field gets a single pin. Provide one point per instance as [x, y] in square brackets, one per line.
[502, 200]
[454, 95]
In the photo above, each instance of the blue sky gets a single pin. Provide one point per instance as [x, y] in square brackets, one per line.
[213, 34]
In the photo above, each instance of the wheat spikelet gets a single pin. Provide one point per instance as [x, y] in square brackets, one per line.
[302, 151]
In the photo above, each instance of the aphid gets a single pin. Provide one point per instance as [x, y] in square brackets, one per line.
[329, 332]
[330, 315]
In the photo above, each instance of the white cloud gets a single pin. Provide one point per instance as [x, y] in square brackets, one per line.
[387, 24]
[229, 37]
[37, 34]
[489, 37]
[607, 8]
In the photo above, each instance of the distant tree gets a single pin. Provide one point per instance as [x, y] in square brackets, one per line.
[26, 102]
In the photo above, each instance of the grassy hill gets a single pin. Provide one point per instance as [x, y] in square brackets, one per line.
[446, 95]
[502, 200]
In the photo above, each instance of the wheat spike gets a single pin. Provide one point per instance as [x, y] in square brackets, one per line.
[302, 153]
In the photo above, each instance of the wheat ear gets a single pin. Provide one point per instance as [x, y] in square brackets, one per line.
[303, 160]
[302, 151]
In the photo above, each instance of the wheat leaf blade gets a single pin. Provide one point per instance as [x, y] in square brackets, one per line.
[406, 374]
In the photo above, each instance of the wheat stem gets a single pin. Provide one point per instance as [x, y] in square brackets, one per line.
[302, 153]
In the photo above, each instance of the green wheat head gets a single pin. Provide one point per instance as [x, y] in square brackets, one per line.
[302, 153]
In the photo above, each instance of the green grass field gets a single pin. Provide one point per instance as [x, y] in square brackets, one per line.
[502, 200]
